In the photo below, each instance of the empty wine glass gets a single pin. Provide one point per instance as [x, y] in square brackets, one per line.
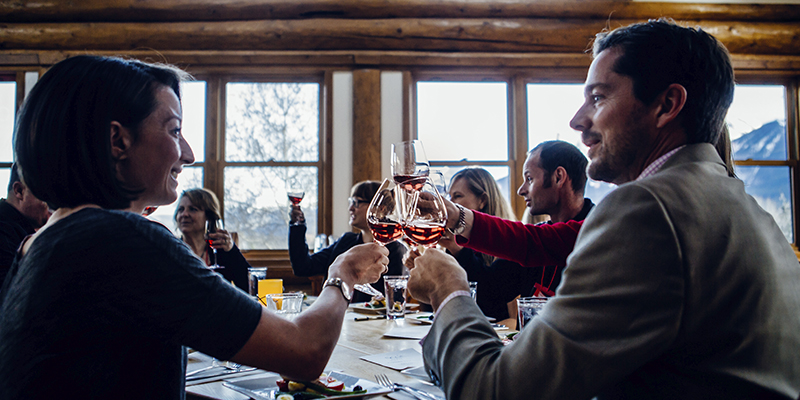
[427, 217]
[213, 226]
[409, 164]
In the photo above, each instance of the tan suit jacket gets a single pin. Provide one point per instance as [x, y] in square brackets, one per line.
[680, 287]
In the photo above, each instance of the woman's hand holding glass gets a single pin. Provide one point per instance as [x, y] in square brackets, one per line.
[213, 226]
[221, 240]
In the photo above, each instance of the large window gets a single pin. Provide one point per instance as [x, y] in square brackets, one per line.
[466, 123]
[271, 147]
[8, 108]
[757, 125]
[268, 144]
[550, 108]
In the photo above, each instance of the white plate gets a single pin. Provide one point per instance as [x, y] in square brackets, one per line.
[264, 386]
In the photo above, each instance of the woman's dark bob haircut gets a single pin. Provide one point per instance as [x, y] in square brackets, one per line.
[62, 139]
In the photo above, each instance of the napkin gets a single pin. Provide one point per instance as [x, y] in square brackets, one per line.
[408, 332]
[397, 360]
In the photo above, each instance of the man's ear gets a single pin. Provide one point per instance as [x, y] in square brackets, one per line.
[19, 190]
[121, 141]
[559, 176]
[671, 102]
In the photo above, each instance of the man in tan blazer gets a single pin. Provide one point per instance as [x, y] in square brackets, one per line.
[680, 286]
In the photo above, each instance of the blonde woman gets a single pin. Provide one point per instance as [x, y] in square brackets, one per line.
[499, 281]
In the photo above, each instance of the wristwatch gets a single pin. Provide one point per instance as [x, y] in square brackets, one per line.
[338, 282]
[462, 222]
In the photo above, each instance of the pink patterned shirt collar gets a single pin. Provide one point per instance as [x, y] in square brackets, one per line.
[658, 163]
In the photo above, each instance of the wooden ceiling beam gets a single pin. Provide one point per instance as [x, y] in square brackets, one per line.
[440, 35]
[217, 10]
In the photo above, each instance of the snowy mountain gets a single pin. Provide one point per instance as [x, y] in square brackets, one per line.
[765, 143]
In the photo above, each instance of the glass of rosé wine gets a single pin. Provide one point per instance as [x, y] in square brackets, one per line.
[427, 216]
[409, 164]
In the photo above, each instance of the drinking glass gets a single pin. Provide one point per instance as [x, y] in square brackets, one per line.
[213, 226]
[409, 164]
[384, 215]
[427, 216]
[287, 305]
[395, 295]
[295, 196]
[149, 210]
[385, 220]
[529, 307]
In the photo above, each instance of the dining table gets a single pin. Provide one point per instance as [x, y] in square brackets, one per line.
[362, 336]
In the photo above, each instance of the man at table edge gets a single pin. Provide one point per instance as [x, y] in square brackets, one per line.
[680, 285]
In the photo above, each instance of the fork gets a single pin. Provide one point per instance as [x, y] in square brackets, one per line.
[384, 381]
[214, 364]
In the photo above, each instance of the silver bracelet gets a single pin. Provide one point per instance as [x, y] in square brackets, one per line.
[462, 221]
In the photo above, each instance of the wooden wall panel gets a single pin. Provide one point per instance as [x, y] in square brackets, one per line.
[440, 35]
[216, 10]
[366, 125]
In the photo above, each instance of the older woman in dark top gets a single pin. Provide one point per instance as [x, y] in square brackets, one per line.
[195, 207]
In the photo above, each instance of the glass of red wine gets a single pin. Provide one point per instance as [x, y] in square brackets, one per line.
[427, 217]
[213, 226]
[409, 164]
[295, 196]
[149, 210]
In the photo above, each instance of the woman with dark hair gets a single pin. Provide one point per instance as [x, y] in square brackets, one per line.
[305, 264]
[101, 302]
[195, 207]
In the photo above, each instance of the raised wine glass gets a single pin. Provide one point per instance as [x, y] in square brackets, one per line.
[426, 220]
[385, 221]
[213, 226]
[295, 196]
[149, 210]
[409, 164]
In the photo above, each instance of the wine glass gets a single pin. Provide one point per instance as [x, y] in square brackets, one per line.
[409, 164]
[427, 217]
[385, 221]
[295, 196]
[149, 210]
[384, 215]
[213, 226]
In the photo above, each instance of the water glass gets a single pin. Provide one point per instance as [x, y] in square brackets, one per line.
[260, 286]
[287, 305]
[473, 290]
[395, 296]
[529, 307]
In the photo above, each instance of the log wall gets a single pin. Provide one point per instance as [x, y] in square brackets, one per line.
[512, 33]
